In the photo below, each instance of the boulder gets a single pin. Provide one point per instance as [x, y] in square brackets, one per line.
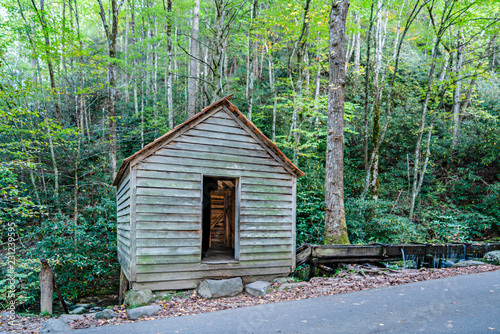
[70, 317]
[138, 298]
[78, 310]
[220, 288]
[106, 314]
[259, 288]
[144, 311]
[281, 280]
[85, 306]
[54, 326]
[468, 263]
[445, 264]
[289, 286]
[492, 257]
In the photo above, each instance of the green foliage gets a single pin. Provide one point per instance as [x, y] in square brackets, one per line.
[456, 226]
[82, 255]
[58, 165]
[25, 276]
[16, 205]
[310, 217]
[376, 221]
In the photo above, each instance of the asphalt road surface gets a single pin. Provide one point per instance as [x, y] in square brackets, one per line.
[460, 304]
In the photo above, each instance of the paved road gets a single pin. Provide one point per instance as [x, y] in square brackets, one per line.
[460, 304]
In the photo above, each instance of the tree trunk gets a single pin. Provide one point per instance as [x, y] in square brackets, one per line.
[335, 223]
[168, 79]
[458, 87]
[421, 130]
[301, 48]
[41, 17]
[272, 86]
[357, 44]
[112, 70]
[379, 44]
[193, 62]
[56, 170]
[367, 92]
[369, 163]
[134, 60]
[251, 55]
[46, 287]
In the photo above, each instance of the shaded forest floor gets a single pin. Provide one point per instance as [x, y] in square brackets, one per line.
[353, 279]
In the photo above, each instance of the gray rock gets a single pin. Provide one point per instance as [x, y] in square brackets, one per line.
[7, 315]
[289, 286]
[220, 288]
[85, 306]
[468, 263]
[259, 288]
[78, 310]
[54, 326]
[106, 314]
[70, 317]
[493, 257]
[445, 264]
[281, 280]
[138, 298]
[144, 311]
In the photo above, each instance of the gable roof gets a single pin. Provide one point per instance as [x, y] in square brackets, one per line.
[159, 142]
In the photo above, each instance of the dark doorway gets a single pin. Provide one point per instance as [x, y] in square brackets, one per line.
[218, 221]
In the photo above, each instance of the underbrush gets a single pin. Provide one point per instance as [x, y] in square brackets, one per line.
[82, 254]
[382, 221]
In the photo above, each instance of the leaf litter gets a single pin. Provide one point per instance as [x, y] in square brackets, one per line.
[352, 278]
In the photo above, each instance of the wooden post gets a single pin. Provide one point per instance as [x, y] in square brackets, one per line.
[46, 287]
[123, 287]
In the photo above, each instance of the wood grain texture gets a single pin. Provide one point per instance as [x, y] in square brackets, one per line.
[123, 223]
[167, 207]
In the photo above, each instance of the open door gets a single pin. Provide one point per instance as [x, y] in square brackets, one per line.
[218, 222]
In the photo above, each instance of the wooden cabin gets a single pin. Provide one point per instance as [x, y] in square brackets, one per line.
[212, 198]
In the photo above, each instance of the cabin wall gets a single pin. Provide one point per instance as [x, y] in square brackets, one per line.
[123, 224]
[168, 207]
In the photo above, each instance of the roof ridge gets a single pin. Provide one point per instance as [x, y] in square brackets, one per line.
[238, 114]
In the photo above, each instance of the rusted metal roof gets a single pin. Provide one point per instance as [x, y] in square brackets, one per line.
[151, 147]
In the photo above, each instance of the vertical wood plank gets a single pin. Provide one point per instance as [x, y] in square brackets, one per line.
[133, 219]
[294, 220]
[237, 220]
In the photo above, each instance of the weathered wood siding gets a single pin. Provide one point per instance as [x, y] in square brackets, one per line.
[168, 206]
[123, 224]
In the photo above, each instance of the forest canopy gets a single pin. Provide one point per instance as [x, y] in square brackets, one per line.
[86, 83]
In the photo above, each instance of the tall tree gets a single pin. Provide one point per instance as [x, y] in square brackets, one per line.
[252, 46]
[193, 62]
[40, 13]
[335, 222]
[111, 37]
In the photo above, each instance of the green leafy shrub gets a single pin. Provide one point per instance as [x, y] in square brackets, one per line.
[457, 226]
[82, 254]
[25, 277]
[375, 221]
[310, 218]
